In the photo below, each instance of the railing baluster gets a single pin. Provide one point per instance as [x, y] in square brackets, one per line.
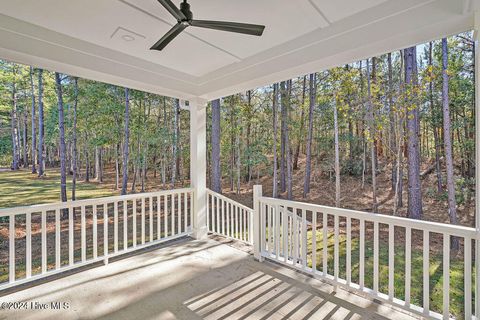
[209, 196]
[173, 213]
[426, 272]
[263, 229]
[223, 216]
[217, 208]
[83, 233]
[276, 212]
[295, 238]
[237, 223]
[105, 232]
[269, 229]
[134, 223]
[336, 247]
[70, 235]
[158, 219]
[314, 241]
[28, 254]
[242, 231]
[165, 214]
[285, 233]
[304, 239]
[408, 265]
[375, 257]
[362, 255]
[325, 244]
[228, 219]
[44, 241]
[143, 221]
[391, 261]
[115, 227]
[150, 215]
[95, 231]
[11, 244]
[446, 276]
[349, 251]
[179, 213]
[57, 238]
[125, 225]
[185, 212]
[468, 277]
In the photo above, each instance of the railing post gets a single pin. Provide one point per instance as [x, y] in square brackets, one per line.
[257, 193]
[198, 165]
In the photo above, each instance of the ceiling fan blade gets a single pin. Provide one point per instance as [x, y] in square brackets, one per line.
[169, 36]
[174, 11]
[245, 28]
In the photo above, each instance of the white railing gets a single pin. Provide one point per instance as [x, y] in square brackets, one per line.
[377, 243]
[229, 218]
[52, 238]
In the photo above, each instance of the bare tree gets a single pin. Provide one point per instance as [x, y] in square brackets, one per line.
[74, 138]
[371, 125]
[34, 132]
[41, 130]
[275, 134]
[337, 155]
[435, 132]
[61, 127]
[452, 205]
[125, 144]
[14, 128]
[414, 184]
[308, 165]
[216, 173]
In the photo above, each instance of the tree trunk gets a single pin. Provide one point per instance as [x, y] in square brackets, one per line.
[275, 134]
[61, 126]
[372, 132]
[283, 131]
[393, 138]
[25, 141]
[308, 162]
[125, 144]
[14, 127]
[337, 156]
[74, 136]
[41, 129]
[435, 132]
[414, 185]
[216, 170]
[175, 142]
[302, 117]
[286, 92]
[452, 205]
[34, 132]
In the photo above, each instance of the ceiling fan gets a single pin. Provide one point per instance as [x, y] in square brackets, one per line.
[185, 19]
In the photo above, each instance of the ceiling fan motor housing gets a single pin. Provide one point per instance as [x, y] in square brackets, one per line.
[185, 8]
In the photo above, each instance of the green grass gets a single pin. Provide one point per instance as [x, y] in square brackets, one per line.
[22, 188]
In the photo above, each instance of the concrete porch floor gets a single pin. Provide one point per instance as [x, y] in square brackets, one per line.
[192, 279]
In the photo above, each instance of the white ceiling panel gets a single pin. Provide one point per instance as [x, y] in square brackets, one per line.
[335, 10]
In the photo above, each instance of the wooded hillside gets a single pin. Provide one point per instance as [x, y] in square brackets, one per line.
[354, 128]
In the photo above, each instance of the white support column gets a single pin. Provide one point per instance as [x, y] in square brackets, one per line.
[198, 165]
[477, 159]
[257, 225]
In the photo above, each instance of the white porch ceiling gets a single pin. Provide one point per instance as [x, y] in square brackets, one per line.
[86, 38]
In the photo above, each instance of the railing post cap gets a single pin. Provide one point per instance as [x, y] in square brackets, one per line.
[257, 189]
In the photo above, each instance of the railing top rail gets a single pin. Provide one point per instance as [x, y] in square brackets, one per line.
[88, 202]
[436, 227]
[218, 195]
